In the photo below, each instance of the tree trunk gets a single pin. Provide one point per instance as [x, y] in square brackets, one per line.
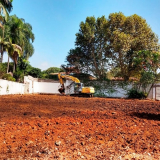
[1, 60]
[8, 64]
[95, 64]
[2, 47]
[13, 67]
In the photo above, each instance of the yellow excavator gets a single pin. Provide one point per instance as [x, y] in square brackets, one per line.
[75, 88]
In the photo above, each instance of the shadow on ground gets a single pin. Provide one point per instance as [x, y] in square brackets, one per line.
[148, 116]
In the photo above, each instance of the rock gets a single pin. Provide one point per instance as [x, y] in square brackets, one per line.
[79, 153]
[29, 142]
[12, 136]
[57, 143]
[82, 157]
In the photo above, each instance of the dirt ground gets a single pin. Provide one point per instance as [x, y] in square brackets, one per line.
[74, 128]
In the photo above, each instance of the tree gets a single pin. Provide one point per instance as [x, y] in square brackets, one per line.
[103, 44]
[6, 44]
[20, 34]
[53, 70]
[92, 46]
[32, 71]
[8, 47]
[146, 61]
[46, 73]
[22, 63]
[21, 69]
[127, 36]
[5, 8]
[77, 58]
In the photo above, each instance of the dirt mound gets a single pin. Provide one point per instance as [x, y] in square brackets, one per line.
[63, 127]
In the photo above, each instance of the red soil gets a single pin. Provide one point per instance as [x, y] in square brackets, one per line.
[63, 127]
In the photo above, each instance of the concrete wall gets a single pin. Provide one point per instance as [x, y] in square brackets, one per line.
[118, 92]
[105, 90]
[30, 86]
[33, 85]
[46, 87]
[36, 85]
[154, 92]
[9, 87]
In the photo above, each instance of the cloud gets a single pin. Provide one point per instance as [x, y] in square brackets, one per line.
[44, 65]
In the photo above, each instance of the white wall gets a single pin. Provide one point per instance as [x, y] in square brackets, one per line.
[9, 87]
[119, 93]
[28, 80]
[114, 91]
[155, 92]
[31, 85]
[46, 87]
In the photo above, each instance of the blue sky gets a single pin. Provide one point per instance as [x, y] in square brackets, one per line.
[55, 22]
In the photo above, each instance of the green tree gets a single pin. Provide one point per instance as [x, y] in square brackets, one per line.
[21, 69]
[103, 44]
[128, 36]
[8, 47]
[5, 8]
[76, 57]
[32, 71]
[46, 73]
[53, 70]
[146, 61]
[20, 34]
[91, 46]
[22, 63]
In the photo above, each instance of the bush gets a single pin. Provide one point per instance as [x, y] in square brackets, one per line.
[19, 76]
[8, 77]
[34, 72]
[133, 93]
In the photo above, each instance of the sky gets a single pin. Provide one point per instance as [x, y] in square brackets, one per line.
[55, 23]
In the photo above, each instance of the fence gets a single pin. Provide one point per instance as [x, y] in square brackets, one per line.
[9, 87]
[35, 85]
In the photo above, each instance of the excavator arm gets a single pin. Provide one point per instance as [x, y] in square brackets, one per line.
[64, 76]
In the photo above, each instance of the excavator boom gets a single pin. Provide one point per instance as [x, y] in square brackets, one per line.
[62, 76]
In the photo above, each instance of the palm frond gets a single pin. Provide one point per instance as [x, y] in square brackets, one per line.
[4, 11]
[7, 4]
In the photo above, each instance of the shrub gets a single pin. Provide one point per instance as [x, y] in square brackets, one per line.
[19, 76]
[8, 77]
[133, 93]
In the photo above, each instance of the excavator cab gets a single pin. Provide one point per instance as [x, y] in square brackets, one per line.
[78, 87]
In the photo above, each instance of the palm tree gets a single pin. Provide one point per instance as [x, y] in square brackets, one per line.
[5, 8]
[13, 50]
[20, 34]
[29, 39]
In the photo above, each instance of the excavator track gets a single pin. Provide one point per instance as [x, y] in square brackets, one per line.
[82, 95]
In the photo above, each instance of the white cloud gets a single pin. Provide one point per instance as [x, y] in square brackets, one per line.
[44, 65]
